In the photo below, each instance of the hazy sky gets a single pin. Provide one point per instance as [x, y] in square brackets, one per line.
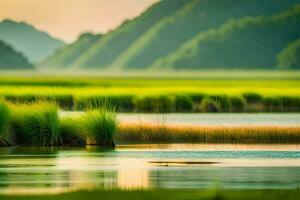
[66, 19]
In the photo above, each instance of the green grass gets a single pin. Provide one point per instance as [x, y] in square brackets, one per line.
[101, 126]
[73, 132]
[4, 123]
[168, 194]
[39, 124]
[264, 91]
[36, 124]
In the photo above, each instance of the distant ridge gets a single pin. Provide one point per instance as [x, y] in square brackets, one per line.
[194, 34]
[64, 57]
[11, 59]
[36, 45]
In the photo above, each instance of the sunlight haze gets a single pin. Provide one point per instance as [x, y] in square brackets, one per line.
[68, 18]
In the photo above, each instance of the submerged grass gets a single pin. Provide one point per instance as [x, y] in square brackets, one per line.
[155, 133]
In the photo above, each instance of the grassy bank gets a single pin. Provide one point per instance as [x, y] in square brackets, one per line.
[169, 194]
[198, 92]
[39, 124]
[154, 133]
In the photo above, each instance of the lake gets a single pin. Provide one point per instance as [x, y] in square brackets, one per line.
[50, 170]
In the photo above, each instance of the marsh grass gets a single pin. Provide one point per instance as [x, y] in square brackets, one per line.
[121, 103]
[101, 126]
[65, 101]
[184, 103]
[36, 124]
[154, 104]
[4, 123]
[73, 132]
[209, 105]
[156, 100]
[156, 133]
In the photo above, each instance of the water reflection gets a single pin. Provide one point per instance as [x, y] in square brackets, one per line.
[31, 170]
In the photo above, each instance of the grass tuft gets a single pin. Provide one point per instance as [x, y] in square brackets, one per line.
[101, 126]
[36, 124]
[72, 132]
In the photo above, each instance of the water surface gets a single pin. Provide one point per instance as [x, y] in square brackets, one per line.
[32, 170]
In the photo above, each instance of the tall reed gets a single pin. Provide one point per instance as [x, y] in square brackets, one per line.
[155, 133]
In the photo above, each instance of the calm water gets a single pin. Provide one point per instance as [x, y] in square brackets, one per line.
[215, 119]
[31, 170]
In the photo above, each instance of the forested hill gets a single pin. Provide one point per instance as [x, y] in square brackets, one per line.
[198, 34]
[12, 60]
[64, 57]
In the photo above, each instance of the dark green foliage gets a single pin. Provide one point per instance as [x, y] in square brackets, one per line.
[4, 123]
[291, 104]
[252, 98]
[34, 44]
[72, 132]
[101, 126]
[238, 104]
[273, 104]
[154, 104]
[12, 60]
[36, 124]
[224, 102]
[121, 103]
[209, 105]
[197, 97]
[183, 103]
[289, 58]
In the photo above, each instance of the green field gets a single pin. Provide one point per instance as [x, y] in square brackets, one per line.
[183, 92]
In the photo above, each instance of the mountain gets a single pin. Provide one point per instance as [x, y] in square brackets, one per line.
[250, 42]
[197, 16]
[64, 57]
[11, 60]
[289, 58]
[196, 34]
[104, 52]
[34, 44]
